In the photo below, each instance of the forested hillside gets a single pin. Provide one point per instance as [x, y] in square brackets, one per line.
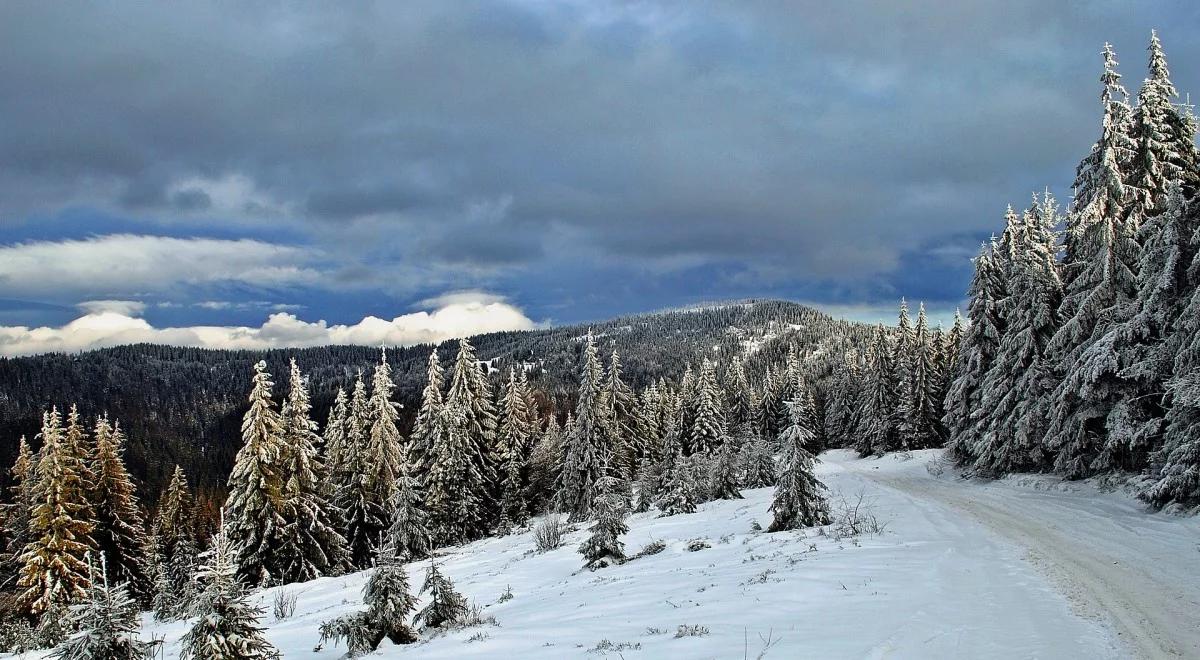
[184, 405]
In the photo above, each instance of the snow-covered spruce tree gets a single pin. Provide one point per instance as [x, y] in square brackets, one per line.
[424, 429]
[630, 445]
[408, 536]
[1177, 462]
[226, 625]
[1100, 284]
[677, 487]
[17, 514]
[799, 496]
[585, 449]
[726, 473]
[977, 350]
[1165, 137]
[82, 447]
[923, 411]
[455, 512]
[310, 545]
[174, 550]
[54, 571]
[515, 443]
[335, 443]
[446, 606]
[765, 421]
[471, 395]
[904, 353]
[951, 340]
[372, 459]
[842, 387]
[739, 396]
[388, 604]
[652, 421]
[1136, 339]
[106, 624]
[879, 413]
[1164, 177]
[685, 393]
[604, 546]
[350, 496]
[252, 511]
[544, 466]
[758, 466]
[120, 532]
[708, 426]
[1017, 387]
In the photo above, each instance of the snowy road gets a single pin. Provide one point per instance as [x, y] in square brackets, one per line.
[1136, 572]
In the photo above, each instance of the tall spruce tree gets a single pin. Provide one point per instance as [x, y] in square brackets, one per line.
[351, 496]
[54, 570]
[1177, 461]
[799, 496]
[335, 442]
[310, 545]
[629, 445]
[381, 464]
[471, 395]
[586, 450]
[424, 429]
[708, 425]
[977, 350]
[174, 549]
[1019, 382]
[253, 510]
[879, 430]
[17, 513]
[453, 482]
[408, 536]
[923, 410]
[515, 442]
[120, 532]
[1100, 283]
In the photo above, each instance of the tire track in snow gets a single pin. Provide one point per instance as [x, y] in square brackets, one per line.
[1153, 615]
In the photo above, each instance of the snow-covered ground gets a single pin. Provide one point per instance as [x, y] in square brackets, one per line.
[963, 569]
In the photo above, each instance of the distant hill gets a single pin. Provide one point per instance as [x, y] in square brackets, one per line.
[184, 405]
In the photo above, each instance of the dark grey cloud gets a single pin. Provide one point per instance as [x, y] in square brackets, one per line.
[429, 144]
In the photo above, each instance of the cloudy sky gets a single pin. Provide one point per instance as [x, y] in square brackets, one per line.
[293, 173]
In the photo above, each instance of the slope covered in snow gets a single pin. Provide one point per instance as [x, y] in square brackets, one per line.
[941, 581]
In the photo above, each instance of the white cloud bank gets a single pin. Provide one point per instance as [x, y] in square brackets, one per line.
[129, 263]
[105, 325]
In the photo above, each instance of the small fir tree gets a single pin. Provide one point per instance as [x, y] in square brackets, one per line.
[799, 495]
[388, 604]
[226, 626]
[106, 624]
[604, 546]
[446, 606]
